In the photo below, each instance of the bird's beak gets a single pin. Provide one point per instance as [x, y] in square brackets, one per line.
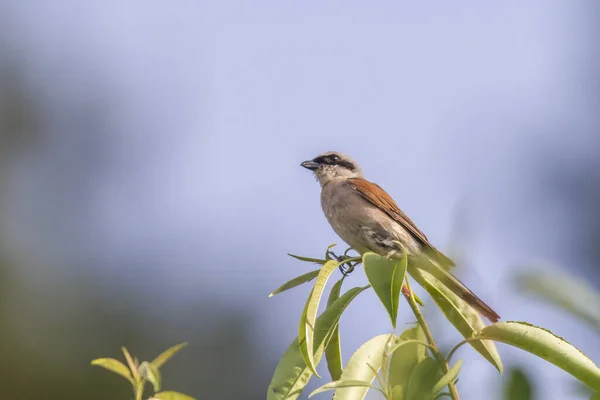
[310, 165]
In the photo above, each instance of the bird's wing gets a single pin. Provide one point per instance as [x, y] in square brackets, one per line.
[375, 195]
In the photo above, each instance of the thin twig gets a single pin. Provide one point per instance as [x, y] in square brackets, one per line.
[434, 348]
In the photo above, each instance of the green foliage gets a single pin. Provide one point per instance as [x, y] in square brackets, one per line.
[407, 366]
[423, 379]
[308, 259]
[115, 366]
[333, 351]
[167, 355]
[449, 377]
[464, 318]
[151, 374]
[363, 366]
[292, 373]
[386, 278]
[518, 386]
[138, 374]
[409, 350]
[170, 395]
[343, 384]
[306, 331]
[297, 281]
[546, 345]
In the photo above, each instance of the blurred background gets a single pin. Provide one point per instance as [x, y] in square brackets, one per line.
[150, 185]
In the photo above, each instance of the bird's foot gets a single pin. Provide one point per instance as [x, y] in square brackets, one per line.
[345, 268]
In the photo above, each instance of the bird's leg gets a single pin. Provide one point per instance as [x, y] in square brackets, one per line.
[333, 256]
[345, 268]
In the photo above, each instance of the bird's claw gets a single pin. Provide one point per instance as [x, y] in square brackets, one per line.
[345, 268]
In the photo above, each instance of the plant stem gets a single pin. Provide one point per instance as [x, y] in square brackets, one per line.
[465, 341]
[139, 390]
[434, 348]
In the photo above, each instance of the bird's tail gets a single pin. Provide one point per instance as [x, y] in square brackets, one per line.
[459, 288]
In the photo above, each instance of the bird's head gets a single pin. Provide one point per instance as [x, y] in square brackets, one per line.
[333, 165]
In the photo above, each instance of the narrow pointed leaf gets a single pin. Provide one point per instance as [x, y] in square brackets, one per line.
[331, 246]
[297, 281]
[363, 366]
[343, 384]
[170, 395]
[548, 346]
[302, 346]
[292, 374]
[308, 259]
[423, 379]
[115, 366]
[448, 377]
[333, 351]
[464, 318]
[404, 360]
[133, 366]
[595, 396]
[167, 354]
[386, 277]
[152, 374]
[306, 328]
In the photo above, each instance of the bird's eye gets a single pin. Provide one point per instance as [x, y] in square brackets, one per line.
[334, 158]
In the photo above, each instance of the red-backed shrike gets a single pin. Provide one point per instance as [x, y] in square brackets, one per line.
[368, 219]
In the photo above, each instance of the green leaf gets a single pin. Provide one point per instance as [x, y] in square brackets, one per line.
[460, 314]
[385, 360]
[343, 384]
[306, 327]
[327, 257]
[363, 366]
[170, 395]
[308, 259]
[423, 379]
[133, 366]
[167, 354]
[573, 295]
[297, 281]
[397, 282]
[595, 396]
[292, 374]
[405, 359]
[548, 346]
[333, 351]
[386, 277]
[115, 366]
[448, 377]
[518, 387]
[152, 374]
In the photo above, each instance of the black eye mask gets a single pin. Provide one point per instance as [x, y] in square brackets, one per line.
[334, 159]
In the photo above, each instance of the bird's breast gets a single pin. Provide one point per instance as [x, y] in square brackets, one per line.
[346, 212]
[361, 224]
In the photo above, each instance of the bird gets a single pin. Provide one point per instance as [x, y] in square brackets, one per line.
[367, 218]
